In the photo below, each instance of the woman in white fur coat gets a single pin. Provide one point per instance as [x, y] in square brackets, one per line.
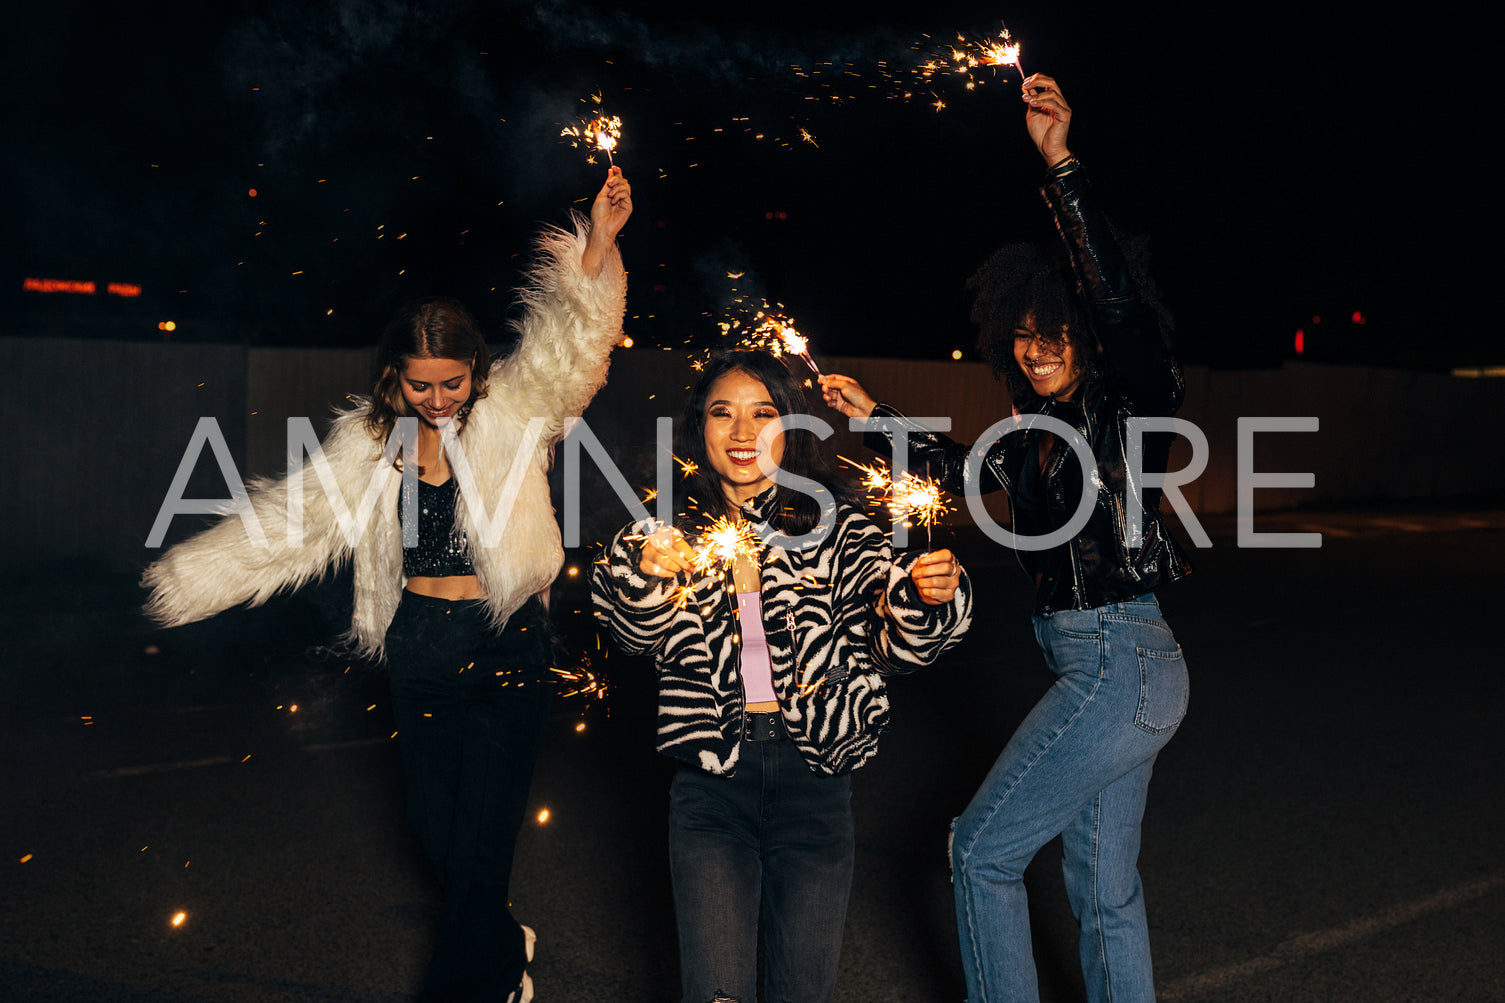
[454, 545]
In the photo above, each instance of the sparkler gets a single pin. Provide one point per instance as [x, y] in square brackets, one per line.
[768, 329]
[723, 541]
[913, 498]
[961, 58]
[1005, 53]
[596, 132]
[719, 546]
[797, 344]
[580, 680]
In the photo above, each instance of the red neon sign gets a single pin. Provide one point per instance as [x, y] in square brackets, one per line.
[126, 290]
[57, 286]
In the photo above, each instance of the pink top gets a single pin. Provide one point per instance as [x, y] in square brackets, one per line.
[757, 669]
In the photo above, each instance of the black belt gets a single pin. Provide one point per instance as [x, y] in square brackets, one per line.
[765, 727]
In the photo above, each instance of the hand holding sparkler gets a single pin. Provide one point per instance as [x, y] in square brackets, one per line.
[936, 577]
[1048, 119]
[666, 553]
[609, 214]
[846, 395]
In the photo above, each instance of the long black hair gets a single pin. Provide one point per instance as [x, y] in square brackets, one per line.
[795, 512]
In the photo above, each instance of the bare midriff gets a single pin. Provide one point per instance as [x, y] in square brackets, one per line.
[448, 587]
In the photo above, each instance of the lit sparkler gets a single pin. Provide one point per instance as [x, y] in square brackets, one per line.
[580, 680]
[920, 498]
[596, 132]
[797, 344]
[719, 546]
[765, 327]
[1003, 53]
[912, 498]
[961, 58]
[723, 541]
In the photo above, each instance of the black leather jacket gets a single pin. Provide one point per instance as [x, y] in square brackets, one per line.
[1140, 378]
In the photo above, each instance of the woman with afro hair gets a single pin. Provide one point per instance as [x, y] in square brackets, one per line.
[1078, 339]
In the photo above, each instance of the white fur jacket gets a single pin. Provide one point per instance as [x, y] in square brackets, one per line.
[568, 328]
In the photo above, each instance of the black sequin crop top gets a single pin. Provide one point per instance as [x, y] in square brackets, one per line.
[441, 550]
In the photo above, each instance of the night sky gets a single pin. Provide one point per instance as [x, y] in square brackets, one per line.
[1284, 165]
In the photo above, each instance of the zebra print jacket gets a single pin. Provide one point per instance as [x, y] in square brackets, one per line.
[839, 616]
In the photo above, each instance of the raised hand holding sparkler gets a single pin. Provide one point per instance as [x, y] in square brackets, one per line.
[1048, 118]
[609, 213]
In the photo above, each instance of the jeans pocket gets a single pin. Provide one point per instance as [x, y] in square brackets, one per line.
[1071, 641]
[1163, 690]
[1076, 623]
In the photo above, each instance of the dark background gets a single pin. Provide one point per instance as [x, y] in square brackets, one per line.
[1315, 831]
[1288, 163]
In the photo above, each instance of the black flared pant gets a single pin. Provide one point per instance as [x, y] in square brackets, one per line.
[471, 706]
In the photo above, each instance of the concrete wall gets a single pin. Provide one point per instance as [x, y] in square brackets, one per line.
[95, 430]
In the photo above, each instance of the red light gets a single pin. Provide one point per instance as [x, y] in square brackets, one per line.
[1316, 318]
[124, 289]
[1359, 318]
[1300, 341]
[57, 286]
[252, 193]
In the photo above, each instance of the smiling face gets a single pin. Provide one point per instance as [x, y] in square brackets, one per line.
[435, 389]
[738, 410]
[1049, 362]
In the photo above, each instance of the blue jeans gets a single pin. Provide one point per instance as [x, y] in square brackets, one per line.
[471, 707]
[1078, 766]
[773, 839]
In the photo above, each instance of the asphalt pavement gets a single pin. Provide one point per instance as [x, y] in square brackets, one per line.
[1327, 825]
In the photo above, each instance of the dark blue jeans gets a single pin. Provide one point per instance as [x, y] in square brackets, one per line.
[471, 708]
[773, 840]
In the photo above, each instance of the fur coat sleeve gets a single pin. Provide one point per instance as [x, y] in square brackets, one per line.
[226, 565]
[569, 325]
